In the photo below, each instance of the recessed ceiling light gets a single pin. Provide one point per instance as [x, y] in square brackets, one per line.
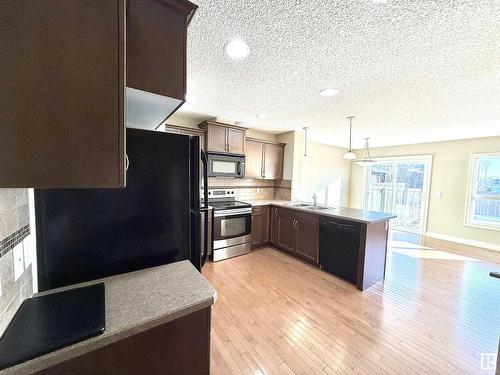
[329, 92]
[237, 49]
[262, 116]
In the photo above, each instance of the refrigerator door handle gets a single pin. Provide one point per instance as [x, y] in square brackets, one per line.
[205, 206]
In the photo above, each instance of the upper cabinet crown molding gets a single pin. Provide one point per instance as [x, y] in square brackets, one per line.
[224, 138]
[65, 68]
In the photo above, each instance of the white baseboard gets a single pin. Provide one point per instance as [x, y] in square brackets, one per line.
[465, 241]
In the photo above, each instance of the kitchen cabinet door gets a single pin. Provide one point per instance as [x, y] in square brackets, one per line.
[156, 46]
[307, 239]
[236, 141]
[274, 225]
[265, 224]
[62, 89]
[253, 159]
[256, 228]
[286, 233]
[156, 60]
[216, 139]
[273, 162]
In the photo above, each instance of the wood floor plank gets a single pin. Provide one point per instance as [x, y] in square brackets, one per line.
[435, 313]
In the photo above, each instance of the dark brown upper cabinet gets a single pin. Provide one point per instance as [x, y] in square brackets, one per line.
[62, 82]
[224, 138]
[63, 85]
[156, 59]
[264, 159]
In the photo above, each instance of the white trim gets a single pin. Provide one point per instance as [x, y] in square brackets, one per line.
[471, 187]
[465, 241]
[428, 161]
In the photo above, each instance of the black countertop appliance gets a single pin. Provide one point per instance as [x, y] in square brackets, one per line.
[85, 234]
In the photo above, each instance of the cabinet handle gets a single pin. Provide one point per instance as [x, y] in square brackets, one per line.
[276, 210]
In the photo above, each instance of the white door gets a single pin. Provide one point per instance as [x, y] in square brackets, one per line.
[400, 186]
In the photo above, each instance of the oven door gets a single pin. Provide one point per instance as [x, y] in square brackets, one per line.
[226, 166]
[232, 227]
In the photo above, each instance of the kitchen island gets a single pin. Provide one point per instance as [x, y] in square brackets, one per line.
[356, 251]
[156, 318]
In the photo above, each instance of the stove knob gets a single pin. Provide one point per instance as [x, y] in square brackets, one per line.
[232, 192]
[209, 193]
[228, 192]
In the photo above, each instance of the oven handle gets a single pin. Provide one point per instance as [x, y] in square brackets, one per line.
[237, 211]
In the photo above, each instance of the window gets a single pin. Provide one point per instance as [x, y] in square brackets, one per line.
[484, 191]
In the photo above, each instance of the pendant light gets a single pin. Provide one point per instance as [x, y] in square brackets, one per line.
[366, 159]
[350, 155]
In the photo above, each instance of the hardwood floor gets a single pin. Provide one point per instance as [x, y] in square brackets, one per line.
[435, 313]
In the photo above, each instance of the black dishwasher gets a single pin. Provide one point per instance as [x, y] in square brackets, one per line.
[339, 247]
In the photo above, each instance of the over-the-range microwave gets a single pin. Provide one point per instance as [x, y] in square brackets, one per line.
[223, 165]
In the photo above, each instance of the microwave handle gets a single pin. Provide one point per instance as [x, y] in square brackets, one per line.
[238, 168]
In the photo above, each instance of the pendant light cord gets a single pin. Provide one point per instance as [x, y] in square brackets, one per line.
[350, 132]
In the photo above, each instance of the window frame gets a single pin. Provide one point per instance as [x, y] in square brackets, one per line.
[471, 193]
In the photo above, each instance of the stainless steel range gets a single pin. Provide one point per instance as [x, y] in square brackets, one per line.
[232, 225]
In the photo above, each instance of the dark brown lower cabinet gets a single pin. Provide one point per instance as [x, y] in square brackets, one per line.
[181, 346]
[287, 235]
[297, 233]
[273, 237]
[307, 238]
[260, 225]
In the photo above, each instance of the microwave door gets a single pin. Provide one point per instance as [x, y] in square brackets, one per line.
[226, 165]
[224, 168]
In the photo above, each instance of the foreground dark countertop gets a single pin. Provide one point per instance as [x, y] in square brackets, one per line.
[135, 302]
[352, 214]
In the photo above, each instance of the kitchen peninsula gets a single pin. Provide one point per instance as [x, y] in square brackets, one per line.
[347, 242]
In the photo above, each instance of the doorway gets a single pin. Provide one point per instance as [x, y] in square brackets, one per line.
[400, 186]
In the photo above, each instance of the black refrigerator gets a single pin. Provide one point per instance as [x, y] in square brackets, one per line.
[85, 234]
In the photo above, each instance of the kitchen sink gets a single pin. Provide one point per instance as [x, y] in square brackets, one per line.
[309, 206]
[299, 205]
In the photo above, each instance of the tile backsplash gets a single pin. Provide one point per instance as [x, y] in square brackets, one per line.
[246, 188]
[16, 279]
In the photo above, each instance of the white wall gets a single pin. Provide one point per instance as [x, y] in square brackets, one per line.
[450, 173]
[324, 172]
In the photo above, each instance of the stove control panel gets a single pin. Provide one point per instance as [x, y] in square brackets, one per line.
[221, 193]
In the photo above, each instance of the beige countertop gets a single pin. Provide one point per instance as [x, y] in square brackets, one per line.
[266, 202]
[352, 214]
[136, 302]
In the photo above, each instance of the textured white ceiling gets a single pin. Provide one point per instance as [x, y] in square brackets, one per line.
[411, 71]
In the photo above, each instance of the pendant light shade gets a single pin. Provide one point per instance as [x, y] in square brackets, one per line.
[366, 159]
[350, 155]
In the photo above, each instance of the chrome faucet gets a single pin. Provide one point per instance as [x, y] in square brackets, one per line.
[315, 198]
